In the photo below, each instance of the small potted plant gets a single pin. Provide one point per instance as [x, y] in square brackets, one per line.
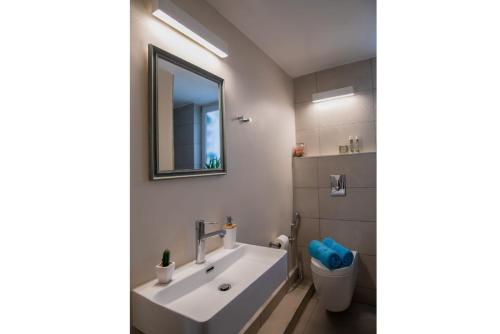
[165, 269]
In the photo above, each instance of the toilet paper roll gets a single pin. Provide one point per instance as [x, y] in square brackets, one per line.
[282, 240]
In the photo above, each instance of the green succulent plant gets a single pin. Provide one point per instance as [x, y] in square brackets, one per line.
[214, 163]
[165, 260]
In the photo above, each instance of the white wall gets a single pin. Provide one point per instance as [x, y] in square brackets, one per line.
[257, 191]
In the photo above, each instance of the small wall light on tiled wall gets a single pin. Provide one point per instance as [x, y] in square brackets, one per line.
[333, 94]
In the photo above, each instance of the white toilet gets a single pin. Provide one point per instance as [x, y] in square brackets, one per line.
[335, 287]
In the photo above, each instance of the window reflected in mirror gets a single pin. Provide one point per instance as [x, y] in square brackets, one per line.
[187, 117]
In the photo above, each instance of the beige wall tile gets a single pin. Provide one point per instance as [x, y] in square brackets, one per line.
[304, 87]
[358, 204]
[331, 137]
[308, 230]
[367, 276]
[306, 116]
[306, 261]
[356, 74]
[311, 140]
[365, 296]
[306, 202]
[337, 120]
[352, 109]
[356, 235]
[305, 172]
[360, 169]
[374, 72]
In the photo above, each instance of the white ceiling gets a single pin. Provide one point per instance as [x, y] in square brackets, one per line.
[305, 36]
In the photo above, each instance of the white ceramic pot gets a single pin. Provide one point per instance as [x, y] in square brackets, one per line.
[164, 274]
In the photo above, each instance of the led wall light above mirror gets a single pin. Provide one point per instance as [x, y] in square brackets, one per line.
[168, 12]
[333, 94]
[186, 118]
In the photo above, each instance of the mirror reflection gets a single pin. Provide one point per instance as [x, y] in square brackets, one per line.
[188, 116]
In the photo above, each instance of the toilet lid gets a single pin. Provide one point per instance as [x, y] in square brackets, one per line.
[318, 268]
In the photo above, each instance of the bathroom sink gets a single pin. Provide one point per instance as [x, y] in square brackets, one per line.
[218, 296]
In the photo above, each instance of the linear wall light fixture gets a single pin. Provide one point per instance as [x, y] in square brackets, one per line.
[181, 21]
[333, 94]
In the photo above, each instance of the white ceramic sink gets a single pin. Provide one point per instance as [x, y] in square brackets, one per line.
[192, 302]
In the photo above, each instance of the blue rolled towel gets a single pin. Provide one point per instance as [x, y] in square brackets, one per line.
[345, 254]
[328, 257]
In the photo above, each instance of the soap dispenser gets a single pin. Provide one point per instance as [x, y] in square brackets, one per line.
[230, 236]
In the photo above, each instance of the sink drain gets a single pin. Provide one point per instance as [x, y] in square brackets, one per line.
[224, 287]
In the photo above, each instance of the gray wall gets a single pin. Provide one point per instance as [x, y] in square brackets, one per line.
[187, 137]
[257, 191]
[351, 220]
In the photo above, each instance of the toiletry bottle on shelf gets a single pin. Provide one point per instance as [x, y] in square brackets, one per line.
[343, 149]
[351, 144]
[357, 144]
[230, 237]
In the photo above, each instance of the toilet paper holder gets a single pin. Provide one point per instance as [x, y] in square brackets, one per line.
[338, 184]
[281, 242]
[273, 244]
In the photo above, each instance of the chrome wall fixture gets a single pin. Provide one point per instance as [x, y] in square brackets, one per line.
[244, 119]
[338, 184]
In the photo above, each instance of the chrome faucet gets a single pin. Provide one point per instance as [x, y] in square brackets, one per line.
[200, 239]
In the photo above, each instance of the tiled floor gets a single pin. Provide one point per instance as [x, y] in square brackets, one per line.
[284, 312]
[358, 319]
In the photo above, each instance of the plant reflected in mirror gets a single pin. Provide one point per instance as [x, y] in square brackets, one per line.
[187, 118]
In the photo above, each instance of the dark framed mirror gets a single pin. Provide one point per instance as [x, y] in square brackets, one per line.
[186, 118]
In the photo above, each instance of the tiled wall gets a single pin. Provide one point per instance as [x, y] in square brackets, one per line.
[350, 220]
[187, 131]
[325, 126]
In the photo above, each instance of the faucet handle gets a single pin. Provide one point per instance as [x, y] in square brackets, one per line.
[202, 222]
